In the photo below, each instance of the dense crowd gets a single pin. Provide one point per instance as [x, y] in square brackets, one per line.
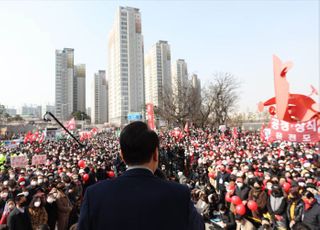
[236, 182]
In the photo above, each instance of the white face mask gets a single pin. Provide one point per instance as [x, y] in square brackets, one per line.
[33, 183]
[4, 195]
[37, 204]
[11, 176]
[22, 183]
[240, 185]
[50, 200]
[40, 181]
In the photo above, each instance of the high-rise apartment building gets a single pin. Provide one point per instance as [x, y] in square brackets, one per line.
[64, 85]
[79, 87]
[158, 73]
[99, 113]
[125, 65]
[179, 77]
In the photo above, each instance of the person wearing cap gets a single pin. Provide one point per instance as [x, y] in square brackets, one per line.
[19, 218]
[137, 199]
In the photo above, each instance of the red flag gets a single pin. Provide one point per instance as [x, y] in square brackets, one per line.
[186, 127]
[150, 116]
[71, 125]
[235, 133]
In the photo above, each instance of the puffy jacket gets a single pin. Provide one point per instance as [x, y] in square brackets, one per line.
[311, 217]
[298, 211]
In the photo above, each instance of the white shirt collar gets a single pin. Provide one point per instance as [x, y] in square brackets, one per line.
[138, 167]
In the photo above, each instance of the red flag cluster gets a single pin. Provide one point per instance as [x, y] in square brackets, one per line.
[34, 137]
[71, 125]
[85, 135]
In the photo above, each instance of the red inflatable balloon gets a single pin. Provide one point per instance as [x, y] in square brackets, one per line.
[236, 200]
[228, 198]
[85, 177]
[252, 205]
[241, 209]
[111, 174]
[211, 175]
[82, 164]
[286, 187]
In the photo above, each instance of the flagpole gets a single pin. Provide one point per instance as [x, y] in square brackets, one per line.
[65, 129]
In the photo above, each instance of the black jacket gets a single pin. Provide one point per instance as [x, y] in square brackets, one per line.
[137, 200]
[18, 220]
[243, 193]
[229, 220]
[221, 178]
[298, 211]
[311, 217]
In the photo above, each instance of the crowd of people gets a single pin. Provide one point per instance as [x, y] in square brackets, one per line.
[236, 182]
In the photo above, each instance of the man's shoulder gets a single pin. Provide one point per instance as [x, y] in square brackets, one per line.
[111, 184]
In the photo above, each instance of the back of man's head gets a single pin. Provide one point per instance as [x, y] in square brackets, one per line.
[138, 143]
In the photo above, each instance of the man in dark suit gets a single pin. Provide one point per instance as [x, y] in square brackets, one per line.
[19, 217]
[138, 200]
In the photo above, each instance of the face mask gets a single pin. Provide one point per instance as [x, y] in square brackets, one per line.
[40, 181]
[33, 183]
[22, 183]
[4, 195]
[240, 185]
[37, 204]
[50, 200]
[5, 183]
[11, 176]
[269, 187]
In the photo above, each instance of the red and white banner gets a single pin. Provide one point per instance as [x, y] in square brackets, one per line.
[39, 159]
[285, 131]
[19, 161]
[150, 116]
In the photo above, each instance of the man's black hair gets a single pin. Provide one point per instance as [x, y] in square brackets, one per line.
[138, 143]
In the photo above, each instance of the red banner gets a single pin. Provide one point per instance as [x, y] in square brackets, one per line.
[150, 116]
[285, 131]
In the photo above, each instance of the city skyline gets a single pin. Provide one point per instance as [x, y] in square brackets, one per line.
[203, 34]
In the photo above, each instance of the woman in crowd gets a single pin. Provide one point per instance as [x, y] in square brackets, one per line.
[295, 207]
[37, 212]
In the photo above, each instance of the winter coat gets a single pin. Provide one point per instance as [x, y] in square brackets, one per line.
[311, 217]
[247, 225]
[260, 197]
[64, 208]
[277, 209]
[38, 216]
[52, 211]
[298, 211]
[242, 192]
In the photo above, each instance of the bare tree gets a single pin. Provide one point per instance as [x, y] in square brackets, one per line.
[179, 107]
[224, 89]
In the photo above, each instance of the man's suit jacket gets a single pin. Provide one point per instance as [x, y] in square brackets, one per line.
[138, 200]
